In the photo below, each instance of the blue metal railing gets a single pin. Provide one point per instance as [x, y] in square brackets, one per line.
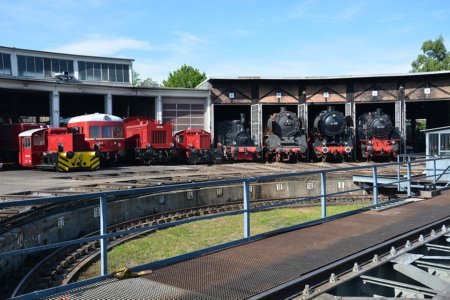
[246, 211]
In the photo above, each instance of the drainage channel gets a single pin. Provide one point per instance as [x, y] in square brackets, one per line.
[413, 265]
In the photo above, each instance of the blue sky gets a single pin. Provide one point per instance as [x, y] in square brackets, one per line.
[234, 37]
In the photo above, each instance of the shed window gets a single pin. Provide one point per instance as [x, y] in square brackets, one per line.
[445, 142]
[434, 142]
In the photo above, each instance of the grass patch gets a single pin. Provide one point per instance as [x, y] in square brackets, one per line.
[202, 234]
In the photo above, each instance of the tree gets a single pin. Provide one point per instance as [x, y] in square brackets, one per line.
[434, 58]
[185, 77]
[136, 80]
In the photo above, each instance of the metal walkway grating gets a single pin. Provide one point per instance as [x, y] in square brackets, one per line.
[134, 288]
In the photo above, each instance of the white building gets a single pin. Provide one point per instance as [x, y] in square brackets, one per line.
[47, 86]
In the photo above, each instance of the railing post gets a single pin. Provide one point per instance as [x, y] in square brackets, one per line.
[246, 192]
[434, 171]
[103, 230]
[323, 191]
[409, 178]
[398, 173]
[375, 186]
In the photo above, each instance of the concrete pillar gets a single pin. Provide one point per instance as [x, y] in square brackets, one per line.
[76, 73]
[207, 115]
[14, 66]
[108, 104]
[54, 109]
[159, 109]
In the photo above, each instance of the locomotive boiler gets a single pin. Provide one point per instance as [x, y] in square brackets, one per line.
[234, 137]
[285, 139]
[377, 136]
[332, 135]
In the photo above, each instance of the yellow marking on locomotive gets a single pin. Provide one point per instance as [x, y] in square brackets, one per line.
[79, 161]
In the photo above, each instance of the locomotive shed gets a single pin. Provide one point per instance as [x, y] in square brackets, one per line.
[256, 269]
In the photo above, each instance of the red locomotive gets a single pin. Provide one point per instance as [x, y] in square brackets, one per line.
[377, 137]
[194, 146]
[103, 133]
[56, 148]
[149, 141]
[9, 140]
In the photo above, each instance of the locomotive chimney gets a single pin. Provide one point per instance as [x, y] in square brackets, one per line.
[282, 108]
[329, 108]
[379, 111]
[242, 118]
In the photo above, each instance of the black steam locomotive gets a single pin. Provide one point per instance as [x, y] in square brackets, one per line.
[332, 135]
[377, 136]
[286, 140]
[235, 138]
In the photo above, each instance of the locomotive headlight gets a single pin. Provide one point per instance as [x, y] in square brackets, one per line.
[149, 145]
[348, 149]
[325, 150]
[234, 143]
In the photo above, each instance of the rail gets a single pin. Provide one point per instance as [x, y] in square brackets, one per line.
[407, 163]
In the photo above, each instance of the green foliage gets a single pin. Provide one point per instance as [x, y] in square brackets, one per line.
[146, 83]
[184, 77]
[434, 58]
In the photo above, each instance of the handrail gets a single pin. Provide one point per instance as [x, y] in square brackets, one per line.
[246, 211]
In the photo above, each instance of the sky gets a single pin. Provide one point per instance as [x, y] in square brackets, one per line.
[229, 38]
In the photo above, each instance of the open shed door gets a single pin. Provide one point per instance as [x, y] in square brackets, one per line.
[256, 123]
[350, 111]
[400, 121]
[303, 115]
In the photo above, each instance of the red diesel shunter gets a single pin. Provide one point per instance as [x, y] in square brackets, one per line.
[56, 148]
[194, 146]
[149, 140]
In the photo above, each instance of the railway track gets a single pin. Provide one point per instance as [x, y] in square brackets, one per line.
[64, 265]
[126, 178]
